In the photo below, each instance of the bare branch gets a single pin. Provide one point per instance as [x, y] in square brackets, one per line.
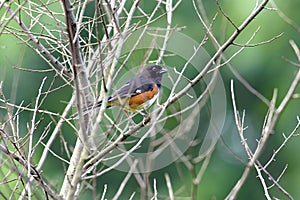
[260, 43]
[226, 16]
[38, 44]
[124, 182]
[169, 185]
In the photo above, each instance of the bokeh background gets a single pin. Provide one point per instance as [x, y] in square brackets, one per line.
[264, 67]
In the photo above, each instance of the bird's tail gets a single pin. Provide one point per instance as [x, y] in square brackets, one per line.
[91, 107]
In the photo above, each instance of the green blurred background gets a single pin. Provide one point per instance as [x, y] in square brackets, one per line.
[264, 67]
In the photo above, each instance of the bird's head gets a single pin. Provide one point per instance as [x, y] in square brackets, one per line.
[155, 71]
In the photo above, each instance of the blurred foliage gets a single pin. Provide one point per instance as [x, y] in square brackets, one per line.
[264, 67]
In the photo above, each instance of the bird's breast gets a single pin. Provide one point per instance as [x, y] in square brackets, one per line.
[144, 99]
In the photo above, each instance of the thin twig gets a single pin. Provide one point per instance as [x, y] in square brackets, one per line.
[32, 130]
[38, 44]
[125, 180]
[169, 185]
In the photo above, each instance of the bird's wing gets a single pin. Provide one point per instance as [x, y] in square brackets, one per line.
[132, 88]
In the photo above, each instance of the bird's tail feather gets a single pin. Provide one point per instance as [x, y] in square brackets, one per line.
[91, 107]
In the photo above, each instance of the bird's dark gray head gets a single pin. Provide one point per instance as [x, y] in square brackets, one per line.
[155, 71]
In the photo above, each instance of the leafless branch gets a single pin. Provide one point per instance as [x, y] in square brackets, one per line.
[169, 185]
[86, 52]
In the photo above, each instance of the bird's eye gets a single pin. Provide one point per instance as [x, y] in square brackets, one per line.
[154, 69]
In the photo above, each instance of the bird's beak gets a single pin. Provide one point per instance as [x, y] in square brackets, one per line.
[163, 70]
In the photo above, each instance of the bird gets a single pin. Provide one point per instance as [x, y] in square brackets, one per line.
[139, 93]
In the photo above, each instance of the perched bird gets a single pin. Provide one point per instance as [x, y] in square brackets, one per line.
[139, 92]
